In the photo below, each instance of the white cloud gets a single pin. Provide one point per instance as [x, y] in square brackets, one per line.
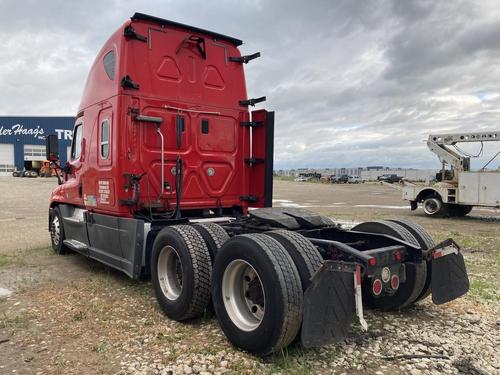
[352, 83]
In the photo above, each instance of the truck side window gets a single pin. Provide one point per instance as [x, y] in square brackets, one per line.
[109, 64]
[105, 139]
[76, 147]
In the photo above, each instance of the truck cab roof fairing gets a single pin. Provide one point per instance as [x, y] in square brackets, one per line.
[161, 21]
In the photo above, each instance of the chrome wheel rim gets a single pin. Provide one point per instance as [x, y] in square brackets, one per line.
[169, 269]
[55, 230]
[432, 206]
[243, 295]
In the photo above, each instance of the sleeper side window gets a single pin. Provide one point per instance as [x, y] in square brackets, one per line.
[76, 147]
[109, 64]
[104, 144]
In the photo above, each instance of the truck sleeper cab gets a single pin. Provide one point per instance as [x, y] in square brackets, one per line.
[166, 162]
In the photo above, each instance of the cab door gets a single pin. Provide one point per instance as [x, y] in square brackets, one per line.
[103, 229]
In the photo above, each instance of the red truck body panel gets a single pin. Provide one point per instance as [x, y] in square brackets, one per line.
[173, 71]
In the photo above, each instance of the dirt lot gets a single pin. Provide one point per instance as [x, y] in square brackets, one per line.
[68, 314]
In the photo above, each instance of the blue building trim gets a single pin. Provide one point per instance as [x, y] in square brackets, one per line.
[32, 130]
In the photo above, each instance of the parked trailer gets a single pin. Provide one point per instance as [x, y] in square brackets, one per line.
[164, 142]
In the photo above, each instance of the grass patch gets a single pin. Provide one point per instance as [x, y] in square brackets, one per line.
[175, 337]
[484, 290]
[19, 257]
[477, 242]
[100, 348]
[20, 320]
[290, 360]
[481, 250]
[15, 259]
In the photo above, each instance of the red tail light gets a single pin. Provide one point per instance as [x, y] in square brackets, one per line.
[394, 282]
[377, 287]
[372, 261]
[398, 257]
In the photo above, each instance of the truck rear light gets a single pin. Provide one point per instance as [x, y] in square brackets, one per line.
[372, 261]
[377, 287]
[398, 257]
[394, 282]
[385, 274]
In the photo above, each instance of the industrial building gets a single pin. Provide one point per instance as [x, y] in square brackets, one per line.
[22, 140]
[370, 173]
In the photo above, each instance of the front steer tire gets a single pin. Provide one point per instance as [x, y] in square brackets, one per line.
[56, 230]
[180, 272]
[257, 294]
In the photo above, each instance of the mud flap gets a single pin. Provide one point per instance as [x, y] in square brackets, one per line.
[449, 275]
[329, 304]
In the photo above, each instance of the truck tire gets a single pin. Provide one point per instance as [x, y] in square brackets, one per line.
[304, 254]
[213, 235]
[426, 242]
[180, 272]
[249, 270]
[56, 229]
[15, 174]
[416, 274]
[433, 206]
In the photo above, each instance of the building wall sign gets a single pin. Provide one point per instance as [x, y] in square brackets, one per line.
[28, 133]
[38, 132]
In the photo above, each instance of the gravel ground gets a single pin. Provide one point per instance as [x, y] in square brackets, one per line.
[72, 315]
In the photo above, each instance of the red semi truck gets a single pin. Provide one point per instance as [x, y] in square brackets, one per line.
[170, 177]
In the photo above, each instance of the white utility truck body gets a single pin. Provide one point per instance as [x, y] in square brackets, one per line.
[460, 188]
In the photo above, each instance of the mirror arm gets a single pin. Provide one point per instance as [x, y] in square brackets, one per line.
[66, 169]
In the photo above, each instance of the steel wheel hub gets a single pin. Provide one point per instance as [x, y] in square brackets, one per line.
[169, 270]
[243, 295]
[432, 205]
[55, 230]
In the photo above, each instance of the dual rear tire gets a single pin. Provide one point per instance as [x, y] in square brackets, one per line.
[256, 281]
[180, 272]
[257, 293]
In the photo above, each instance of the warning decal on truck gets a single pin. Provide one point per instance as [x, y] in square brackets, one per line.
[105, 192]
[89, 200]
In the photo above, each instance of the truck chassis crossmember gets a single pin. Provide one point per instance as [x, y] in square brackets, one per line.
[171, 177]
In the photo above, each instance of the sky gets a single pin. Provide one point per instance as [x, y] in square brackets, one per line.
[352, 83]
